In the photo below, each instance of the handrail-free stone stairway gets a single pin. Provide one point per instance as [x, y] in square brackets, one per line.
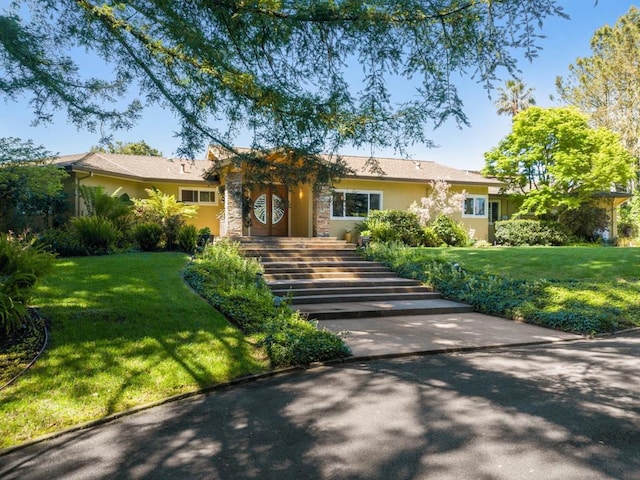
[327, 279]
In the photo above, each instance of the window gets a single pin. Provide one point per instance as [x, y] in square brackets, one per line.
[494, 212]
[354, 204]
[204, 196]
[475, 206]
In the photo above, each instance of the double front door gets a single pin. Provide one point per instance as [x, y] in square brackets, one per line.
[269, 212]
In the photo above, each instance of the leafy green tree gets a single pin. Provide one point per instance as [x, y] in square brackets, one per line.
[129, 148]
[554, 159]
[303, 76]
[605, 85]
[29, 184]
[514, 98]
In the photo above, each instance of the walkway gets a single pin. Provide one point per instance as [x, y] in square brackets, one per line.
[380, 313]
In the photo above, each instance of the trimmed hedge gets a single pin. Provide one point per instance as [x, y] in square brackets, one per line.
[530, 232]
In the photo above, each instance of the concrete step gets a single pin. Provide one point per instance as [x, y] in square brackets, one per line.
[295, 254]
[324, 283]
[332, 275]
[361, 297]
[337, 292]
[381, 308]
[272, 266]
[328, 280]
[297, 243]
[336, 267]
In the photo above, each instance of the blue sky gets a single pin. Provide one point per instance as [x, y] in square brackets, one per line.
[460, 148]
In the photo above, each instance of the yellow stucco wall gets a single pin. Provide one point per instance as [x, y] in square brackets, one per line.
[301, 202]
[400, 195]
[207, 214]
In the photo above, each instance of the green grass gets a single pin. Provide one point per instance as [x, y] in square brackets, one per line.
[584, 290]
[553, 263]
[125, 330]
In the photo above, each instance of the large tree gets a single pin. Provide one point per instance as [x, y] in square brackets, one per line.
[606, 85]
[514, 98]
[303, 76]
[128, 148]
[29, 185]
[554, 159]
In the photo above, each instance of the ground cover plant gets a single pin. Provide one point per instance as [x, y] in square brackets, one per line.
[124, 330]
[585, 290]
[233, 285]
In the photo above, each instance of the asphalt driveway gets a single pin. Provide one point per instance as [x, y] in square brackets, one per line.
[561, 411]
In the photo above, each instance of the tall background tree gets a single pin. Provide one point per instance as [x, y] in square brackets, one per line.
[30, 186]
[555, 160]
[304, 77]
[514, 98]
[128, 148]
[606, 85]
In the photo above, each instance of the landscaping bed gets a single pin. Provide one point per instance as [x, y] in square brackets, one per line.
[20, 348]
[584, 290]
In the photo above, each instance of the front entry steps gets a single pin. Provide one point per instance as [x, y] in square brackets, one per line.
[326, 279]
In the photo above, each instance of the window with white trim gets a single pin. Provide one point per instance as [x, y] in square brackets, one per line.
[475, 206]
[354, 203]
[200, 196]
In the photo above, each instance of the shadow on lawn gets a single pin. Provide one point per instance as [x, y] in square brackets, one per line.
[563, 411]
[114, 341]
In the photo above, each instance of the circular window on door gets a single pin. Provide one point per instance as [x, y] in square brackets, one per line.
[277, 209]
[260, 208]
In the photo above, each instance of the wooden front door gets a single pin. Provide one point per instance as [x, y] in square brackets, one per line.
[269, 212]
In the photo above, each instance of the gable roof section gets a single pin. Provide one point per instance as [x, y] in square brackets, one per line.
[415, 171]
[136, 167]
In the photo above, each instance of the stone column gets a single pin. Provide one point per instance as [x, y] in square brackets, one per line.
[321, 211]
[233, 204]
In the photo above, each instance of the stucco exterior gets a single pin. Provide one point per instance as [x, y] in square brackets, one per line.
[396, 184]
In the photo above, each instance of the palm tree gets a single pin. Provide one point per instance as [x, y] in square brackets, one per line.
[514, 98]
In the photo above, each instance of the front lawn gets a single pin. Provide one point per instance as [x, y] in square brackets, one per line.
[125, 330]
[586, 290]
[553, 263]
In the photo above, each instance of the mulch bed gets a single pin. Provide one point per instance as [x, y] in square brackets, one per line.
[19, 349]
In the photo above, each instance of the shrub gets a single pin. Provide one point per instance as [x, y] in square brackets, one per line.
[21, 265]
[585, 222]
[166, 211]
[450, 232]
[62, 242]
[629, 217]
[393, 225]
[148, 236]
[232, 285]
[97, 235]
[292, 340]
[187, 238]
[530, 232]
[430, 237]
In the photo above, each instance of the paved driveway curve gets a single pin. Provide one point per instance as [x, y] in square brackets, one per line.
[561, 411]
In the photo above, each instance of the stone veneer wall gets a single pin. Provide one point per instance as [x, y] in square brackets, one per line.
[233, 204]
[321, 211]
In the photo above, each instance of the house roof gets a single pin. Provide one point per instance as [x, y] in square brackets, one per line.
[396, 169]
[147, 168]
[136, 167]
[415, 171]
